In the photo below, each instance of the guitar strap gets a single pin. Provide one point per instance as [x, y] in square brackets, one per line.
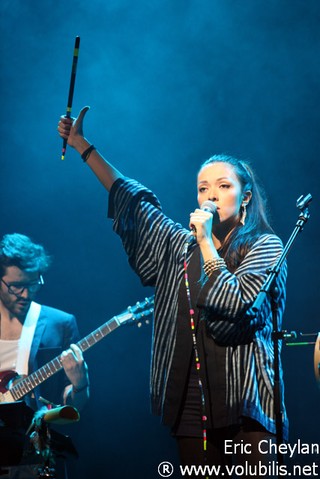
[26, 338]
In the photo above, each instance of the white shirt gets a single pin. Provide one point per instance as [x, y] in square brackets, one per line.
[14, 354]
[8, 354]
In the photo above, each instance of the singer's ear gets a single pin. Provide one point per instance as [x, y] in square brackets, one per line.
[246, 196]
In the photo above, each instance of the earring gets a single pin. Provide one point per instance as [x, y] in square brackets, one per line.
[243, 214]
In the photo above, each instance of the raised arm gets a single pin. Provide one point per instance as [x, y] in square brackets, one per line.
[71, 129]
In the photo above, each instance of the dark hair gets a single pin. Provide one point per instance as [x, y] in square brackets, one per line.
[242, 237]
[18, 250]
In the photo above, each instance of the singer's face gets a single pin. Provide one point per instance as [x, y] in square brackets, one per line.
[17, 305]
[219, 183]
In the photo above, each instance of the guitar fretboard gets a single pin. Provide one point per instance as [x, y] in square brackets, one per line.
[24, 386]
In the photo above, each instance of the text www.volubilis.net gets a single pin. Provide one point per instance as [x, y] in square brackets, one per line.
[262, 470]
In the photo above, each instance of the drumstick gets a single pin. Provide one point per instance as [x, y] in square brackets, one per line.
[71, 88]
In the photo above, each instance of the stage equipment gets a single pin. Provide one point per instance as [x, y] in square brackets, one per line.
[268, 289]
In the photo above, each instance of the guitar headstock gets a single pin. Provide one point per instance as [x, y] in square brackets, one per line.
[138, 313]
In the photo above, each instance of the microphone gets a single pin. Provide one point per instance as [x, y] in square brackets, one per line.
[208, 206]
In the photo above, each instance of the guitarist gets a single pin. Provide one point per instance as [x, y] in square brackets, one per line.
[32, 334]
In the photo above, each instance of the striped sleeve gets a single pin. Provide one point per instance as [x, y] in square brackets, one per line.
[226, 298]
[144, 229]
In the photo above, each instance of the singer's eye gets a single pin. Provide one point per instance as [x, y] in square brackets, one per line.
[224, 185]
[202, 189]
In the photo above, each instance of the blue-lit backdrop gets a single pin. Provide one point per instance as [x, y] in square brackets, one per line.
[169, 84]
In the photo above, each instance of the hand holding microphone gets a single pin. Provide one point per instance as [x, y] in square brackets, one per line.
[201, 220]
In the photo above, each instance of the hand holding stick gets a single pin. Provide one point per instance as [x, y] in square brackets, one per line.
[71, 88]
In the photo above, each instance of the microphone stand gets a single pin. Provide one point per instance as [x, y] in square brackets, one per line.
[302, 205]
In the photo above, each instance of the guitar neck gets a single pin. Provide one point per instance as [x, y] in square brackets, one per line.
[24, 386]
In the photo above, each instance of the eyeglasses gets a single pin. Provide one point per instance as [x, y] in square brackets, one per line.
[18, 288]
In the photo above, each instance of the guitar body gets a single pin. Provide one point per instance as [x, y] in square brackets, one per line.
[7, 379]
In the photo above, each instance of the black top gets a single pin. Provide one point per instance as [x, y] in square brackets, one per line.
[183, 410]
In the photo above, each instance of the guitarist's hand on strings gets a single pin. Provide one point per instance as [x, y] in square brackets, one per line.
[77, 372]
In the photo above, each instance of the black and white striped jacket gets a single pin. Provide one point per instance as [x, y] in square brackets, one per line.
[155, 245]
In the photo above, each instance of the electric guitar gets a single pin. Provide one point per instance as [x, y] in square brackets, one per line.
[13, 387]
